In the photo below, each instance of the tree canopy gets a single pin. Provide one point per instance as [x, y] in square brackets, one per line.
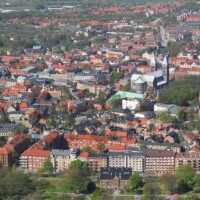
[15, 184]
[181, 91]
[135, 181]
[77, 176]
[47, 168]
[186, 173]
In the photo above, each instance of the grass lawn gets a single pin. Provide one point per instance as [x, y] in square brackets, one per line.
[52, 184]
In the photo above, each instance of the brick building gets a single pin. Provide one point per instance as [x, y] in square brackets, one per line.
[114, 178]
[60, 159]
[192, 158]
[33, 159]
[18, 144]
[159, 162]
[97, 161]
[81, 141]
[5, 157]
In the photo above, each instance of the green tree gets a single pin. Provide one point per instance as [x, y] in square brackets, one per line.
[114, 101]
[116, 76]
[151, 191]
[127, 87]
[21, 128]
[78, 164]
[181, 91]
[51, 122]
[150, 127]
[135, 181]
[102, 96]
[196, 181]
[186, 173]
[47, 168]
[164, 117]
[182, 187]
[139, 52]
[170, 182]
[192, 197]
[68, 125]
[87, 149]
[14, 184]
[100, 194]
[77, 177]
[181, 115]
[194, 125]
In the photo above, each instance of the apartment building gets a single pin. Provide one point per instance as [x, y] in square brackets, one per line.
[60, 159]
[159, 162]
[33, 159]
[192, 158]
[117, 159]
[135, 161]
[5, 157]
[97, 161]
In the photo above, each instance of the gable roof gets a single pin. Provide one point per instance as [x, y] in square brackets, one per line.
[36, 153]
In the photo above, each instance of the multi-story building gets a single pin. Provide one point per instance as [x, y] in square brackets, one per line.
[5, 157]
[97, 161]
[192, 158]
[60, 159]
[165, 146]
[135, 161]
[33, 159]
[116, 159]
[159, 162]
[18, 144]
[114, 177]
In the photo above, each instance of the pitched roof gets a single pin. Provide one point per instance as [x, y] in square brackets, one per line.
[116, 147]
[60, 152]
[3, 151]
[111, 173]
[36, 153]
[117, 133]
[84, 155]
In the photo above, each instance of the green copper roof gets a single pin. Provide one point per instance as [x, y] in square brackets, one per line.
[132, 95]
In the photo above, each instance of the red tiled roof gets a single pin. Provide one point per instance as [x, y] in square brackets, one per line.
[49, 138]
[84, 155]
[116, 133]
[92, 137]
[23, 105]
[129, 140]
[18, 139]
[116, 147]
[3, 151]
[36, 153]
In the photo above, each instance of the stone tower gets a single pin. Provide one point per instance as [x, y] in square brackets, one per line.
[165, 68]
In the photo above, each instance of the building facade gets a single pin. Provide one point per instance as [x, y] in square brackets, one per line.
[158, 162]
[192, 158]
[60, 159]
[5, 157]
[32, 160]
[114, 178]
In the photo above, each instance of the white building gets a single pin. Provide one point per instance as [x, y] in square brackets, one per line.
[131, 104]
